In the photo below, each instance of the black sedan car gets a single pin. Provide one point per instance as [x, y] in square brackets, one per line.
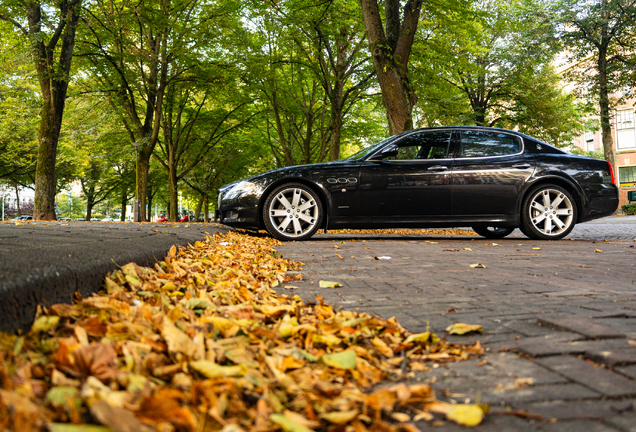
[492, 180]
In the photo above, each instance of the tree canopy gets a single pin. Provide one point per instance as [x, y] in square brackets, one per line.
[214, 90]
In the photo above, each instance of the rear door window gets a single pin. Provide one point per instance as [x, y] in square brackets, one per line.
[485, 144]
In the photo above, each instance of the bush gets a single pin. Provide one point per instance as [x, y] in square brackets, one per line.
[629, 209]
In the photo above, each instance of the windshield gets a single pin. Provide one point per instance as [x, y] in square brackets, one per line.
[365, 151]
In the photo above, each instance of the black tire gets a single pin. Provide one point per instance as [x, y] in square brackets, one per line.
[285, 219]
[548, 222]
[493, 232]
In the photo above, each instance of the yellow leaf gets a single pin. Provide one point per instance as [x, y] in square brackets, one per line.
[536, 248]
[478, 265]
[340, 360]
[177, 340]
[276, 310]
[327, 284]
[382, 347]
[172, 252]
[287, 424]
[466, 415]
[468, 249]
[213, 370]
[598, 251]
[44, 323]
[400, 417]
[340, 417]
[329, 340]
[422, 337]
[460, 329]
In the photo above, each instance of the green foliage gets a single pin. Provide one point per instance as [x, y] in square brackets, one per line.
[596, 154]
[19, 107]
[491, 66]
[629, 209]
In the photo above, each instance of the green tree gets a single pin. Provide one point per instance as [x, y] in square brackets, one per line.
[330, 37]
[495, 69]
[600, 40]
[132, 50]
[50, 27]
[390, 45]
[19, 107]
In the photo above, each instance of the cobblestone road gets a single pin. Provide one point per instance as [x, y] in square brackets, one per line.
[559, 318]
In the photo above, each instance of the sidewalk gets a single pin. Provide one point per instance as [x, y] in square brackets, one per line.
[48, 262]
[559, 318]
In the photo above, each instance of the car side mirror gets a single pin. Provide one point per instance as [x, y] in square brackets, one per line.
[387, 152]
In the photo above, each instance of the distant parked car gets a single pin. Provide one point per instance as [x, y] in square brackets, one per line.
[64, 219]
[94, 220]
[80, 219]
[107, 219]
[21, 218]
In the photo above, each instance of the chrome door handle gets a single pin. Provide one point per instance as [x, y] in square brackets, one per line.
[437, 168]
[521, 166]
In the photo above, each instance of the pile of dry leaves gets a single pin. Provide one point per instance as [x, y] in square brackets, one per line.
[201, 342]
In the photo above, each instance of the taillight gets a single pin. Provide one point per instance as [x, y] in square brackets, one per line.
[611, 172]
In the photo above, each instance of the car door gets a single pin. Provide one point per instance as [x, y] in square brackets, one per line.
[414, 184]
[489, 170]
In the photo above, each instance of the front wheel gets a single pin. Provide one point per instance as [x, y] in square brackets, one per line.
[292, 211]
[548, 213]
[493, 232]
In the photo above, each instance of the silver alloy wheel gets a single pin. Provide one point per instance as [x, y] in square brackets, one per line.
[551, 212]
[293, 212]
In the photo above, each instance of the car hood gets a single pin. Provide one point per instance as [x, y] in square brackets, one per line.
[285, 171]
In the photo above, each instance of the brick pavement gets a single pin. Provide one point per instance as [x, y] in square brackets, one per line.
[559, 317]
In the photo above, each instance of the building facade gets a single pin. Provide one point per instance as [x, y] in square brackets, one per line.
[624, 138]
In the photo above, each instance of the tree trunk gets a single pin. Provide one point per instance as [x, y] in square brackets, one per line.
[604, 103]
[48, 137]
[206, 208]
[173, 210]
[53, 80]
[89, 209]
[141, 185]
[124, 202]
[149, 216]
[197, 212]
[336, 132]
[17, 200]
[390, 55]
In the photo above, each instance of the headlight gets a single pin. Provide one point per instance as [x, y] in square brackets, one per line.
[239, 189]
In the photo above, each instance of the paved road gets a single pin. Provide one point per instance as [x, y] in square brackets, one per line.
[48, 262]
[559, 317]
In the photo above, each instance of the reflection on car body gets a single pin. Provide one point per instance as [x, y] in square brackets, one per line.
[492, 180]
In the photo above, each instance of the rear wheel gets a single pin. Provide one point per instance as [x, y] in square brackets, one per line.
[493, 232]
[548, 213]
[292, 211]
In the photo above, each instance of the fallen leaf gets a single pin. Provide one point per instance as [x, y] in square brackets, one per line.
[478, 265]
[466, 415]
[287, 424]
[327, 284]
[340, 417]
[340, 360]
[536, 248]
[460, 328]
[212, 370]
[598, 251]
